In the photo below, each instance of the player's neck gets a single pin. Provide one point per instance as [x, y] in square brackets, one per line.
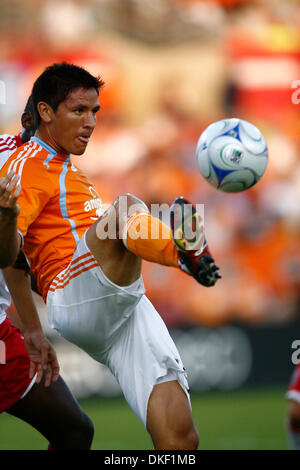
[45, 136]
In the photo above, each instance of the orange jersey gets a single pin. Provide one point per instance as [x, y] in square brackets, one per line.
[57, 205]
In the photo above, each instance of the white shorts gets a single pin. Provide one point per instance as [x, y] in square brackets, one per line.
[117, 326]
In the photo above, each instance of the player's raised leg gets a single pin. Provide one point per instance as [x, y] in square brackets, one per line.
[127, 233]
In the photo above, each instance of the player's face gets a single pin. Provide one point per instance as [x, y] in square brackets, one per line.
[74, 121]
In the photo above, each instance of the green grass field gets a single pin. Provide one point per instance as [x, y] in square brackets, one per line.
[244, 419]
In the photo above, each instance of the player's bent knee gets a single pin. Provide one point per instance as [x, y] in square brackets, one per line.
[188, 440]
[193, 439]
[128, 204]
[184, 440]
[110, 225]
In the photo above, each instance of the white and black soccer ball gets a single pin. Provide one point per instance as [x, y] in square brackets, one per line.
[232, 155]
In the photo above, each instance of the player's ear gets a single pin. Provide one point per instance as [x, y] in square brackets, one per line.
[45, 111]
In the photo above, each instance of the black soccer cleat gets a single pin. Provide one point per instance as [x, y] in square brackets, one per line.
[188, 235]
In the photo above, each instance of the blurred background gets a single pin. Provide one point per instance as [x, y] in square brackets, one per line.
[172, 67]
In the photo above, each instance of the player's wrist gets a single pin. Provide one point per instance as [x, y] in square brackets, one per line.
[32, 329]
[8, 214]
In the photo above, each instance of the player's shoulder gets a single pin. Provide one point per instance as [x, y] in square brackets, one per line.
[21, 158]
[27, 151]
[8, 143]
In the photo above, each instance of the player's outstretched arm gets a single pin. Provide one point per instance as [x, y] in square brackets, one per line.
[41, 353]
[9, 209]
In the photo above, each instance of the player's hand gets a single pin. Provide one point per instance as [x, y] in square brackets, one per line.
[9, 193]
[43, 359]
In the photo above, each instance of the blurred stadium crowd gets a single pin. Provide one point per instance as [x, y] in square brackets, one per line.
[172, 67]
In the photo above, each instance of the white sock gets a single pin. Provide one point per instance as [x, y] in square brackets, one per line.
[294, 440]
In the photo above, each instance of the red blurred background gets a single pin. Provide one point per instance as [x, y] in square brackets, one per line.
[171, 68]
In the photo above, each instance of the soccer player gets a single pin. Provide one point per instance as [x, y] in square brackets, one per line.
[88, 264]
[293, 421]
[47, 405]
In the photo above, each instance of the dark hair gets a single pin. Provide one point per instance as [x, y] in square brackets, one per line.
[57, 81]
[29, 106]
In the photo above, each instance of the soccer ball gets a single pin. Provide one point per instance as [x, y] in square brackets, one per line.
[232, 155]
